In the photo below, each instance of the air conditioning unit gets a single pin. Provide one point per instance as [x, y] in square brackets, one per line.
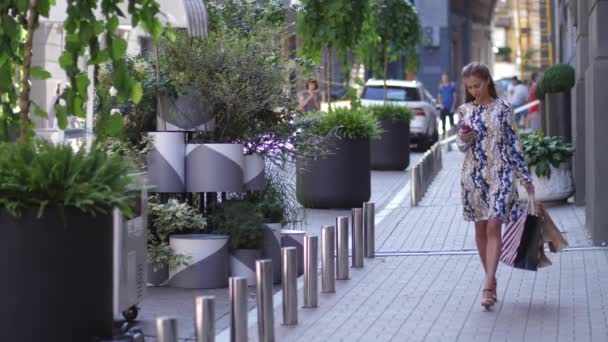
[130, 254]
[430, 36]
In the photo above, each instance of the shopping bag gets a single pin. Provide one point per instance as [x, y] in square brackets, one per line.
[523, 240]
[551, 233]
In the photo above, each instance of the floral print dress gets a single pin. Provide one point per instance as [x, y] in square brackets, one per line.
[493, 162]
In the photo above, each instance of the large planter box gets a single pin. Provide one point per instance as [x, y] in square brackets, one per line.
[209, 264]
[392, 150]
[166, 167]
[214, 167]
[242, 264]
[57, 282]
[272, 248]
[254, 177]
[559, 115]
[339, 180]
[558, 187]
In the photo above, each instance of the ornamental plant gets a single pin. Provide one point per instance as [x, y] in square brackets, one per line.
[242, 221]
[392, 113]
[345, 123]
[543, 152]
[558, 78]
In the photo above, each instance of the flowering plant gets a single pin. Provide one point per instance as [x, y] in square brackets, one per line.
[267, 144]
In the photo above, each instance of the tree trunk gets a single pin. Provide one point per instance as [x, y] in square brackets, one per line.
[24, 97]
[329, 78]
[385, 71]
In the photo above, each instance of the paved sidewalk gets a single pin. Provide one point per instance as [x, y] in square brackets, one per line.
[435, 296]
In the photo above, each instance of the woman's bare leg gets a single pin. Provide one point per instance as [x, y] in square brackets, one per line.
[494, 247]
[481, 238]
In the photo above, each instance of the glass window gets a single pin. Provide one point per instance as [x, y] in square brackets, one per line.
[392, 94]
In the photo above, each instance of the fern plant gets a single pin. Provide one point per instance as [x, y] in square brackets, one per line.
[345, 123]
[37, 174]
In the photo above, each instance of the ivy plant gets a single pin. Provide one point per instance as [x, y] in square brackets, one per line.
[543, 152]
[83, 27]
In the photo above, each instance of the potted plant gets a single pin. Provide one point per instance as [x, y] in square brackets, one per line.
[342, 178]
[392, 150]
[549, 161]
[556, 84]
[243, 222]
[166, 219]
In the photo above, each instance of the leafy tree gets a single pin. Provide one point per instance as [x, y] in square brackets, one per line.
[391, 27]
[83, 27]
[330, 24]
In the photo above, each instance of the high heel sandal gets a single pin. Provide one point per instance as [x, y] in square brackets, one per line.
[494, 292]
[487, 302]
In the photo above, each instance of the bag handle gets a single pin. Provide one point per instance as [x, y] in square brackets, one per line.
[531, 206]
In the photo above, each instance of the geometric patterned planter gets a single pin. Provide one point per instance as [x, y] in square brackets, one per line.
[208, 267]
[272, 248]
[242, 264]
[214, 167]
[295, 238]
[254, 178]
[166, 170]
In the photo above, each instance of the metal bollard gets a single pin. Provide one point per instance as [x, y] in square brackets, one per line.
[342, 248]
[166, 329]
[369, 229]
[263, 269]
[289, 256]
[328, 261]
[204, 319]
[357, 227]
[311, 280]
[413, 185]
[238, 309]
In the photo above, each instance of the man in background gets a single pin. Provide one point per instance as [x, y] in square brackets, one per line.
[447, 101]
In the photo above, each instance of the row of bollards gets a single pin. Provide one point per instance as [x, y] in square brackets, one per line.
[334, 265]
[423, 173]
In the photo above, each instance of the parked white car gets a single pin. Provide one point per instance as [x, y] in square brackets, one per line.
[413, 94]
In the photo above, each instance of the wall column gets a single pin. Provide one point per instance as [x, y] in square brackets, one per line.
[578, 102]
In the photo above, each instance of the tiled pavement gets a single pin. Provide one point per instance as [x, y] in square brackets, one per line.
[430, 291]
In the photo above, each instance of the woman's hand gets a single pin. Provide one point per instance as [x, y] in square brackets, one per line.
[467, 137]
[529, 187]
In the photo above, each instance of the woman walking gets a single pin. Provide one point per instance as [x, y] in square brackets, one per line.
[493, 164]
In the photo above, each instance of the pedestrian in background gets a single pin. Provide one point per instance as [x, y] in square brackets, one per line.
[519, 98]
[447, 101]
[534, 122]
[493, 163]
[309, 100]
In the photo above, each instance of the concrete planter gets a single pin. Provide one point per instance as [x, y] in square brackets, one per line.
[214, 167]
[559, 115]
[392, 150]
[242, 264]
[156, 277]
[58, 276]
[166, 171]
[339, 180]
[295, 238]
[272, 248]
[558, 187]
[209, 264]
[254, 175]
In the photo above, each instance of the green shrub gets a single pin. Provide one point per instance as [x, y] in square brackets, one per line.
[38, 175]
[392, 113]
[242, 221]
[543, 152]
[346, 123]
[539, 92]
[558, 78]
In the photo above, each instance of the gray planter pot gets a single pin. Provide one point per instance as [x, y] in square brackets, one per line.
[254, 173]
[272, 248]
[166, 171]
[295, 238]
[214, 167]
[392, 150]
[187, 112]
[559, 115]
[209, 263]
[158, 277]
[58, 276]
[242, 264]
[339, 180]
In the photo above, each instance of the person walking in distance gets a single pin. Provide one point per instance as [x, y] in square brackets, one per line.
[493, 163]
[534, 112]
[309, 100]
[447, 101]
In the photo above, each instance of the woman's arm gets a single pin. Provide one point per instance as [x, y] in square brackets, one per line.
[302, 101]
[513, 145]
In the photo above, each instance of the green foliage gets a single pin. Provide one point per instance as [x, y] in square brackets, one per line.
[241, 79]
[345, 123]
[242, 221]
[135, 154]
[82, 29]
[245, 16]
[539, 92]
[391, 112]
[413, 61]
[558, 78]
[164, 220]
[504, 51]
[543, 152]
[38, 174]
[335, 24]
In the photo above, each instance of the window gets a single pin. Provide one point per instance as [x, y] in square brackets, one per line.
[392, 94]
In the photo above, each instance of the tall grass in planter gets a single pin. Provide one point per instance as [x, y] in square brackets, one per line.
[392, 150]
[340, 179]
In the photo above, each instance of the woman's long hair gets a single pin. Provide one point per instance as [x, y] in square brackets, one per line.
[481, 71]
